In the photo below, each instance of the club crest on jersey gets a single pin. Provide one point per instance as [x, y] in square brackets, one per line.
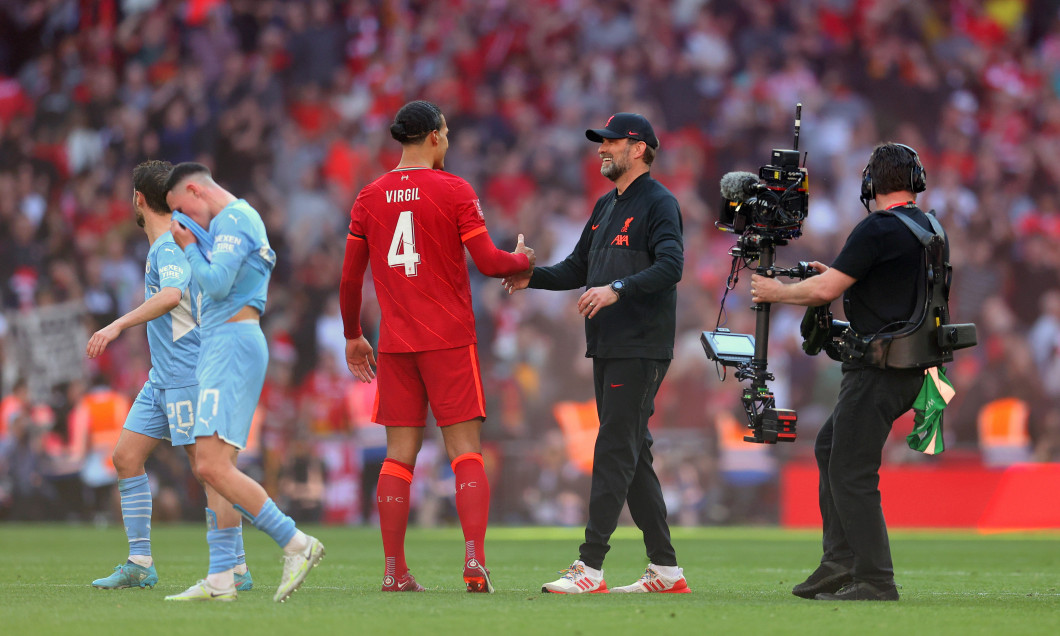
[147, 270]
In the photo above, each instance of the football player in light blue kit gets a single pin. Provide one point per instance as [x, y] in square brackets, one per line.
[164, 407]
[231, 263]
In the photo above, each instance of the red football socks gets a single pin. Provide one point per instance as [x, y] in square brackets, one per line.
[472, 503]
[392, 499]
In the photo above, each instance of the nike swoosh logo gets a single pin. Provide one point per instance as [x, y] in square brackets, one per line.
[615, 386]
[595, 226]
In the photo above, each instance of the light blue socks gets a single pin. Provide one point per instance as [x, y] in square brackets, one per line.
[272, 522]
[136, 513]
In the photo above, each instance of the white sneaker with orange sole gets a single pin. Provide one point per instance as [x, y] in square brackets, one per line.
[578, 579]
[655, 581]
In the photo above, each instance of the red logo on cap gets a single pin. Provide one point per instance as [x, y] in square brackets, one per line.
[633, 133]
[609, 121]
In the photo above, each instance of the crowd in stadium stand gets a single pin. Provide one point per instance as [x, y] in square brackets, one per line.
[289, 103]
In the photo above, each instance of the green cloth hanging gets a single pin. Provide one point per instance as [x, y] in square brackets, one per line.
[934, 395]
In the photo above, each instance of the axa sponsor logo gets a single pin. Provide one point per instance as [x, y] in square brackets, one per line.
[622, 238]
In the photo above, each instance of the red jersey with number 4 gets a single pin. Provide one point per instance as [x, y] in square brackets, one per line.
[415, 221]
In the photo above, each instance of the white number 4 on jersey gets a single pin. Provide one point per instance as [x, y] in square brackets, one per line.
[403, 245]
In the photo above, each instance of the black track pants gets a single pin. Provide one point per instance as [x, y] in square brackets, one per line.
[622, 461]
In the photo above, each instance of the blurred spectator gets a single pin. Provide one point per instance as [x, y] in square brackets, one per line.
[302, 483]
[279, 406]
[289, 102]
[24, 491]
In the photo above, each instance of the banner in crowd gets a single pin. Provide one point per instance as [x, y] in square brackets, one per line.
[48, 347]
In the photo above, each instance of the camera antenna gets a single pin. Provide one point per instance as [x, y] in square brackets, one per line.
[798, 127]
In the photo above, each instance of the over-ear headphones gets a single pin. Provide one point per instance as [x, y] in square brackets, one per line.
[917, 176]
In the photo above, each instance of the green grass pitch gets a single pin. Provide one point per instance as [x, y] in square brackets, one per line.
[951, 583]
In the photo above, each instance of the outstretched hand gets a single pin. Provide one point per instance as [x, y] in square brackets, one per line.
[522, 279]
[521, 248]
[516, 282]
[360, 358]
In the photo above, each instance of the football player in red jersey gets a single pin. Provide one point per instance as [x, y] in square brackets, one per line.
[413, 224]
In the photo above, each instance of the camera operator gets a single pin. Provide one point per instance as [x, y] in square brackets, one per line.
[878, 272]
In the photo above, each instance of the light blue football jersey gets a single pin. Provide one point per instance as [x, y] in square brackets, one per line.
[173, 337]
[236, 268]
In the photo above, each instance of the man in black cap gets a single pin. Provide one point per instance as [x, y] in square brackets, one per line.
[629, 259]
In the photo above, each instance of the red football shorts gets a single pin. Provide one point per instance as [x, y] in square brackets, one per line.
[447, 379]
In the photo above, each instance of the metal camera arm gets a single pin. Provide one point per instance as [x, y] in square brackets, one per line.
[768, 424]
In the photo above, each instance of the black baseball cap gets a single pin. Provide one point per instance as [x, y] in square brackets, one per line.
[625, 125]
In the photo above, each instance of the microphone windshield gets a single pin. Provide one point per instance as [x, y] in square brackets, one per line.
[738, 186]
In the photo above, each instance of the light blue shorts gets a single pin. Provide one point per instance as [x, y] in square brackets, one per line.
[231, 372]
[164, 413]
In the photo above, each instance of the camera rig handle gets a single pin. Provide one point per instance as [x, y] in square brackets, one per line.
[768, 424]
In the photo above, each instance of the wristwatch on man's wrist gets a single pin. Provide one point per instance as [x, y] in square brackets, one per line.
[618, 287]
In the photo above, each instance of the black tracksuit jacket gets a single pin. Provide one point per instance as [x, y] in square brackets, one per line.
[635, 237]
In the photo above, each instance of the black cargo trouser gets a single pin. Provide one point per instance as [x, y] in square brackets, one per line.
[622, 460]
[849, 451]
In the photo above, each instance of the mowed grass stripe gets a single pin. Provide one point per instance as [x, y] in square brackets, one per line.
[952, 583]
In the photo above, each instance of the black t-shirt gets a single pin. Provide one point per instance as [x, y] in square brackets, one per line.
[885, 258]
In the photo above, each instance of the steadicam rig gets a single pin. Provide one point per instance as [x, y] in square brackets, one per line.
[747, 354]
[765, 211]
